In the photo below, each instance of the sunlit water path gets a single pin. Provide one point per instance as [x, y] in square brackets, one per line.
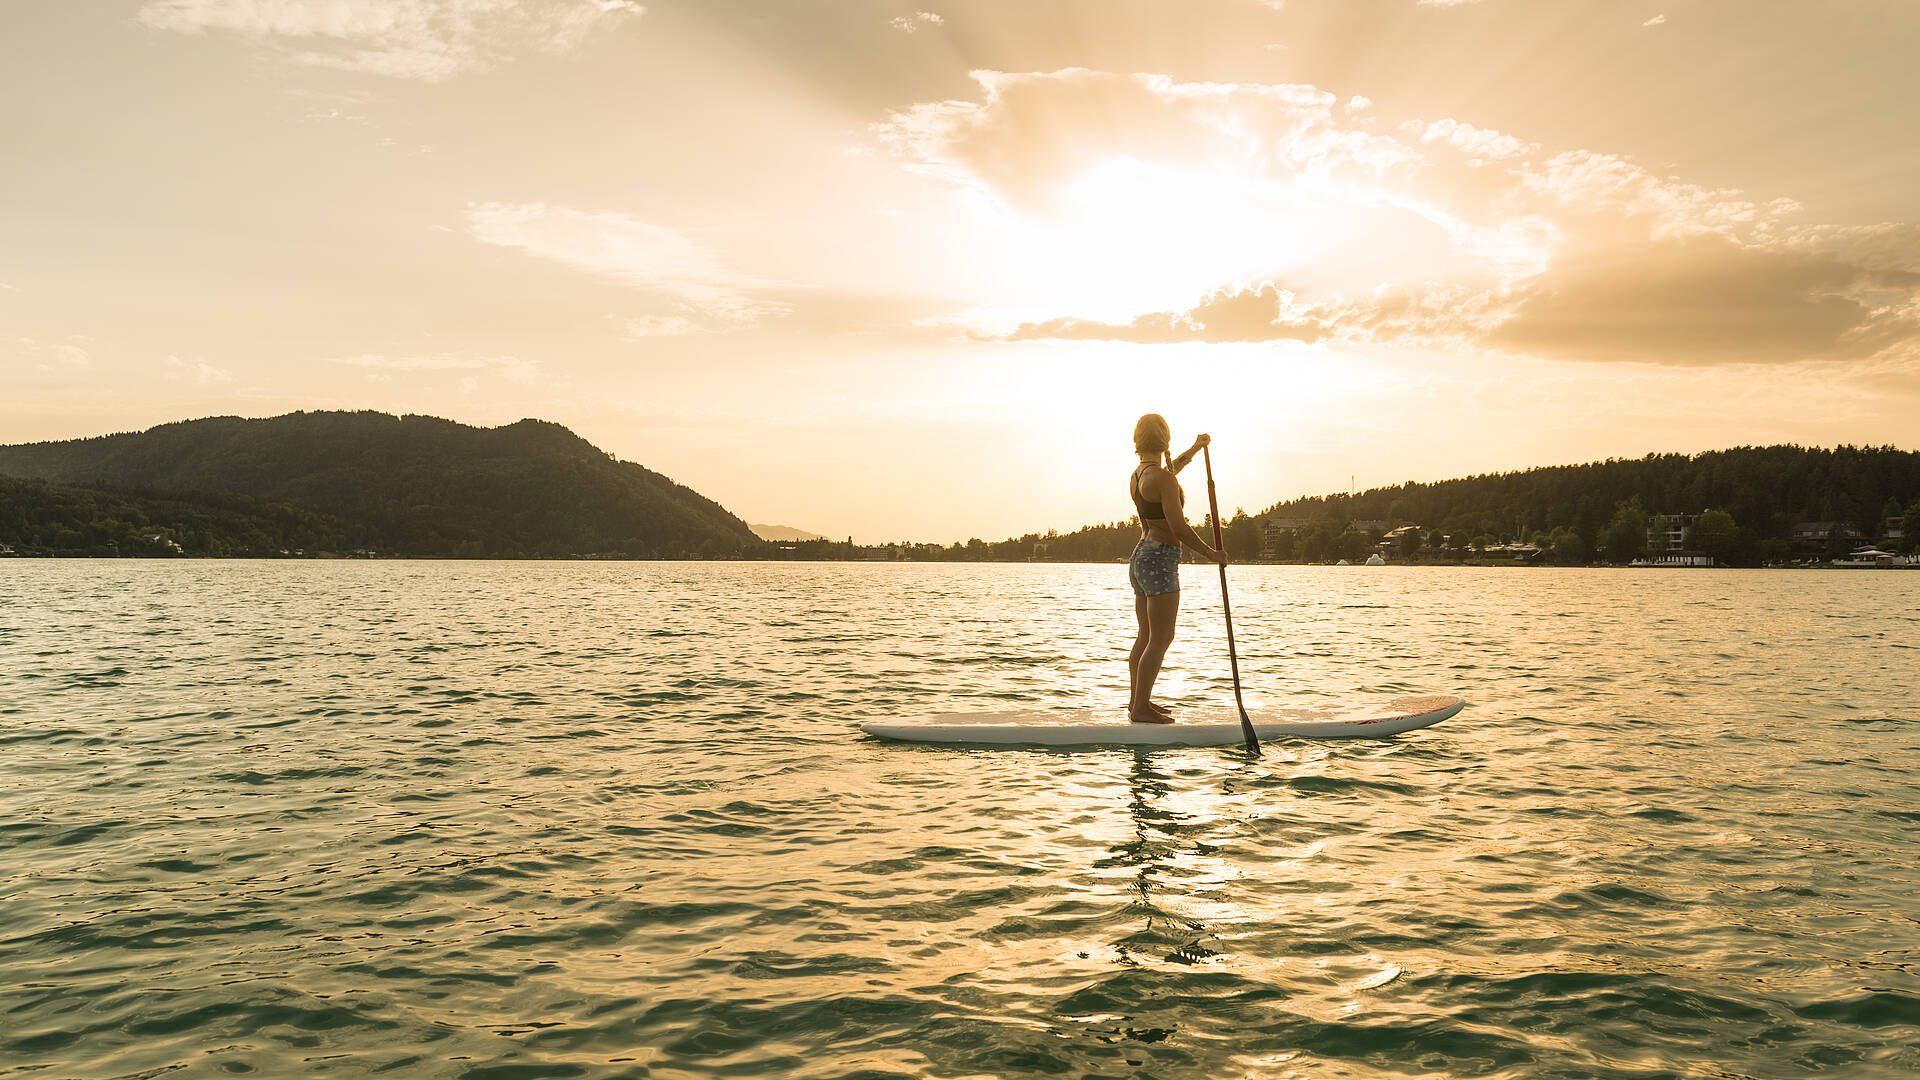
[596, 820]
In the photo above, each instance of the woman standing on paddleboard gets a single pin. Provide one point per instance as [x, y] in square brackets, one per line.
[1155, 566]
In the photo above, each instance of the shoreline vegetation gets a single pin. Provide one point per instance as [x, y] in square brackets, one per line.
[374, 485]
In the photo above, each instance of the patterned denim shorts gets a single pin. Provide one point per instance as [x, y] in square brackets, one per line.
[1154, 568]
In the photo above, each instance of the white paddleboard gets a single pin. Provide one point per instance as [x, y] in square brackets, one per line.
[1366, 718]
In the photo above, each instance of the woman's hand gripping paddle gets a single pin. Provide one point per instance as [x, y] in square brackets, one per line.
[1219, 541]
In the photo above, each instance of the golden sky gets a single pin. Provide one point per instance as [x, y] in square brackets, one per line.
[897, 271]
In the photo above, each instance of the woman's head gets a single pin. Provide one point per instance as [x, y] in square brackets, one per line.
[1151, 434]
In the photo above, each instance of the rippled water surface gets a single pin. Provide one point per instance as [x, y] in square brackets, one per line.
[595, 820]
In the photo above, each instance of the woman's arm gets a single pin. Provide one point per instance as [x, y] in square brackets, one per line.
[1175, 507]
[1186, 459]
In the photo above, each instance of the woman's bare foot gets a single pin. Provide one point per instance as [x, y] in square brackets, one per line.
[1148, 715]
[1161, 709]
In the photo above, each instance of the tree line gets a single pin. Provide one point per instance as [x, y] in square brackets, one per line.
[38, 518]
[1747, 501]
[422, 486]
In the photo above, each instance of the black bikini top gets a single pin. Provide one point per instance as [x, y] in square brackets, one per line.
[1148, 511]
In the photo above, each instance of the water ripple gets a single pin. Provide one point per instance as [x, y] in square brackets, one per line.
[612, 820]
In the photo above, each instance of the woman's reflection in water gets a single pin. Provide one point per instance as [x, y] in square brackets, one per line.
[1158, 837]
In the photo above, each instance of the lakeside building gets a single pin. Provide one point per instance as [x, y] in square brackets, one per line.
[1272, 529]
[1389, 543]
[1893, 530]
[1521, 551]
[1669, 533]
[1826, 531]
[1674, 558]
[1875, 559]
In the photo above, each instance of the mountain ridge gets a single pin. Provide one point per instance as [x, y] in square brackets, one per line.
[783, 533]
[409, 484]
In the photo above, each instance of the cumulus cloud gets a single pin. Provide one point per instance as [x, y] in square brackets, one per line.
[1479, 142]
[635, 253]
[429, 40]
[1431, 314]
[1683, 300]
[1576, 254]
[1707, 299]
[912, 23]
[1032, 130]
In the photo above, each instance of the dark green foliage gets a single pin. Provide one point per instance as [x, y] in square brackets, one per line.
[37, 518]
[1715, 533]
[1625, 538]
[1566, 548]
[1584, 512]
[1243, 536]
[410, 485]
[1767, 489]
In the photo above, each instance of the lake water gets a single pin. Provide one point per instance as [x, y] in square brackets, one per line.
[606, 819]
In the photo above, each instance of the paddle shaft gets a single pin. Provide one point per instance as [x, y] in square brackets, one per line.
[1233, 659]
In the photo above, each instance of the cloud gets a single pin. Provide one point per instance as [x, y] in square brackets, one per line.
[382, 368]
[1657, 20]
[1268, 313]
[1707, 299]
[1450, 234]
[1680, 301]
[198, 371]
[912, 23]
[50, 357]
[644, 326]
[428, 40]
[1479, 142]
[617, 247]
[1032, 130]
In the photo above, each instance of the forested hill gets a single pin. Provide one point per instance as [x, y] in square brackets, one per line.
[1766, 490]
[409, 485]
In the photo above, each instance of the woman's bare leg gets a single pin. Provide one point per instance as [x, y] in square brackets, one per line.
[1161, 613]
[1139, 647]
[1133, 658]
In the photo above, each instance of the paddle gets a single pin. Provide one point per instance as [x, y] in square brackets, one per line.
[1219, 541]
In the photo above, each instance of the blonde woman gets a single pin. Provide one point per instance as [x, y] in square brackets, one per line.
[1155, 566]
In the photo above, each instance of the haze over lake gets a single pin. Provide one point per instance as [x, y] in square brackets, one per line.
[463, 819]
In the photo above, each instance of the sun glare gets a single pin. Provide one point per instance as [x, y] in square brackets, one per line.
[1080, 404]
[1131, 236]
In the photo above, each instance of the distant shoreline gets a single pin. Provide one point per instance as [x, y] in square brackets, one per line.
[1438, 564]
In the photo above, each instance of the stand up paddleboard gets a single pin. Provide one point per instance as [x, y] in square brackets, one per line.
[1367, 719]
